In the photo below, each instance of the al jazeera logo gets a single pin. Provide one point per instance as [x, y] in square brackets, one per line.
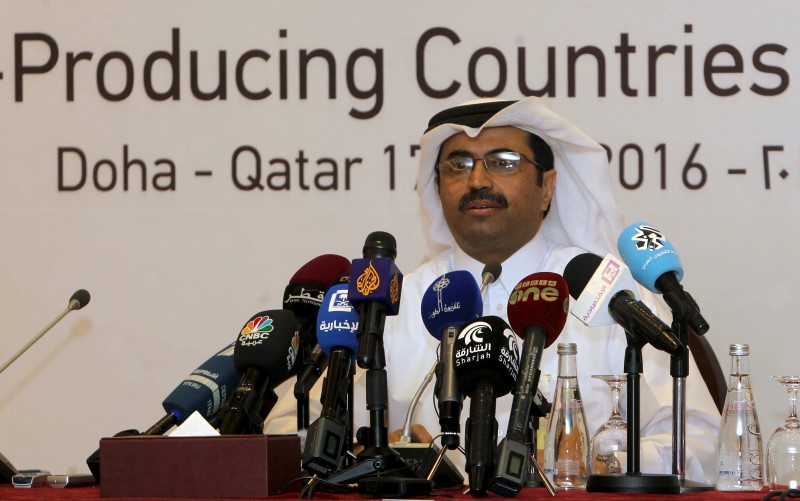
[370, 280]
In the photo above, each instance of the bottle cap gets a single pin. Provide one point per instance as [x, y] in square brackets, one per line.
[567, 349]
[740, 349]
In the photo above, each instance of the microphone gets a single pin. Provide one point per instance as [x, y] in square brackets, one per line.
[303, 296]
[537, 310]
[206, 390]
[265, 351]
[78, 300]
[306, 289]
[606, 294]
[491, 272]
[655, 264]
[337, 325]
[375, 284]
[448, 303]
[486, 366]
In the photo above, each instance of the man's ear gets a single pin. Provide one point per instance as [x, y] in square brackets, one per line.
[548, 188]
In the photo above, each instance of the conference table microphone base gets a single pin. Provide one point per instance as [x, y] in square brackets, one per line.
[649, 483]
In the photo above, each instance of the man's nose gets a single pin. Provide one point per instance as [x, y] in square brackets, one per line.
[480, 177]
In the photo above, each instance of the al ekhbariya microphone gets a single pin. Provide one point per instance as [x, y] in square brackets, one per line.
[486, 367]
[303, 296]
[537, 311]
[78, 300]
[331, 434]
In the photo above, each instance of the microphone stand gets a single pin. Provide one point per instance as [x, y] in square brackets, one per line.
[535, 477]
[679, 370]
[634, 480]
[377, 458]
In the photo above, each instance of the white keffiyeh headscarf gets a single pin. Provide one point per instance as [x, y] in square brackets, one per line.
[583, 212]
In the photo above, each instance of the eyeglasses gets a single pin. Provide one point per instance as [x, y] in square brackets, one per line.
[501, 163]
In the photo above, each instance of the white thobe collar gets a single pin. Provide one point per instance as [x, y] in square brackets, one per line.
[528, 259]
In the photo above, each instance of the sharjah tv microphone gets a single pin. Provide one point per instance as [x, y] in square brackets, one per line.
[265, 351]
[448, 303]
[656, 265]
[486, 367]
[78, 300]
[537, 311]
[330, 435]
[606, 294]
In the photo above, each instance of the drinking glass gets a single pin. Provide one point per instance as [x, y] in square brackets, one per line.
[783, 449]
[608, 450]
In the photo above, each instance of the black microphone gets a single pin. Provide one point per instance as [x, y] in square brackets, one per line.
[537, 310]
[604, 289]
[375, 284]
[78, 300]
[303, 296]
[490, 274]
[486, 366]
[266, 350]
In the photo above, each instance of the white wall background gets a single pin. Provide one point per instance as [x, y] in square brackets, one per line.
[174, 274]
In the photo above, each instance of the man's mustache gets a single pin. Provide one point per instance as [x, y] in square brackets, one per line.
[483, 194]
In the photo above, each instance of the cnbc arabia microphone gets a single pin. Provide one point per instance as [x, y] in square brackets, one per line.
[78, 300]
[302, 296]
[655, 264]
[330, 435]
[449, 302]
[265, 351]
[605, 294]
[486, 366]
[375, 284]
[537, 310]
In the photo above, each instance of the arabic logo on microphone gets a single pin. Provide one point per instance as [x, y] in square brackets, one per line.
[394, 289]
[474, 333]
[256, 331]
[368, 281]
[648, 238]
[339, 301]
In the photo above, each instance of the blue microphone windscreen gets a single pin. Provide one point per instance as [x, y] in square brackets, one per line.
[337, 321]
[376, 280]
[648, 254]
[206, 389]
[451, 300]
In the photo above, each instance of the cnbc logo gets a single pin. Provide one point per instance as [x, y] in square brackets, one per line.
[256, 331]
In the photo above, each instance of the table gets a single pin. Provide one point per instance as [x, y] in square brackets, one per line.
[92, 493]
